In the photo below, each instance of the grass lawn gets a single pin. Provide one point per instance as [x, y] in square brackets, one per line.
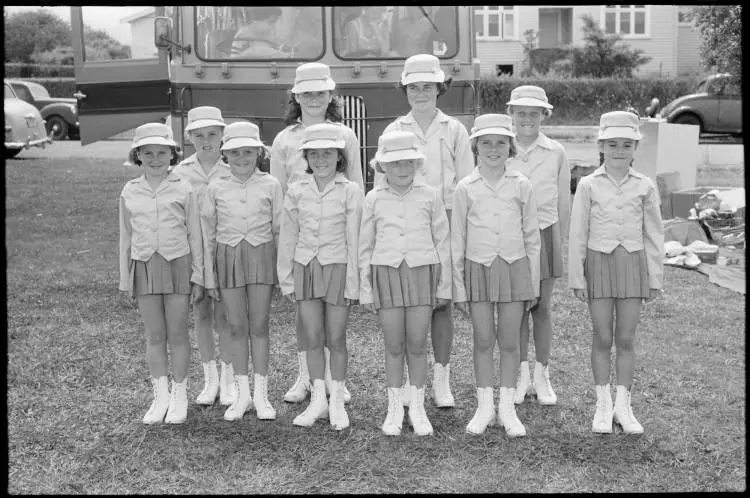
[78, 385]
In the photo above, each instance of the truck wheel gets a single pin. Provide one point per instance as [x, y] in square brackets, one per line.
[58, 127]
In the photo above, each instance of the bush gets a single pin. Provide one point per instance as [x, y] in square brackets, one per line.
[57, 87]
[29, 70]
[581, 101]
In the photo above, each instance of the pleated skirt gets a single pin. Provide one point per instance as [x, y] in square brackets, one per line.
[245, 264]
[315, 281]
[501, 282]
[404, 286]
[159, 276]
[551, 261]
[619, 274]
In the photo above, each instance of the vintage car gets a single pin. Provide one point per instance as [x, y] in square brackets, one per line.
[715, 106]
[60, 113]
[24, 126]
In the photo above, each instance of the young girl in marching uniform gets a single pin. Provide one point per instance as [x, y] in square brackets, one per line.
[161, 264]
[312, 102]
[544, 162]
[495, 247]
[242, 212]
[404, 260]
[444, 142]
[615, 261]
[204, 130]
[317, 264]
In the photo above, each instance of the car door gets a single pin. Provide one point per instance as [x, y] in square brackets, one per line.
[118, 88]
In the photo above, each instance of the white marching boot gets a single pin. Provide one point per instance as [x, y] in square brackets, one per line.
[243, 401]
[336, 410]
[405, 390]
[263, 408]
[210, 384]
[317, 408]
[441, 389]
[178, 403]
[544, 393]
[623, 413]
[506, 413]
[524, 386]
[395, 417]
[603, 416]
[485, 414]
[329, 378]
[227, 386]
[298, 392]
[160, 405]
[417, 415]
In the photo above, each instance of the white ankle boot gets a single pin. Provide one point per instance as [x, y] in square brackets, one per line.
[524, 385]
[329, 377]
[243, 401]
[603, 416]
[485, 414]
[405, 390]
[337, 411]
[441, 389]
[317, 408]
[298, 392]
[506, 413]
[544, 393]
[623, 413]
[263, 408]
[417, 414]
[210, 384]
[227, 386]
[178, 403]
[395, 417]
[158, 408]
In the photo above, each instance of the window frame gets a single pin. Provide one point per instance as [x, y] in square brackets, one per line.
[500, 12]
[627, 9]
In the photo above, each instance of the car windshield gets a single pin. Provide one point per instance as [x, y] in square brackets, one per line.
[259, 33]
[38, 91]
[394, 32]
[8, 92]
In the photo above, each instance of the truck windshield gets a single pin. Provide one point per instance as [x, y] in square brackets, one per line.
[394, 32]
[259, 33]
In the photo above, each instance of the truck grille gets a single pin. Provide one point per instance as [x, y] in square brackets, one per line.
[355, 118]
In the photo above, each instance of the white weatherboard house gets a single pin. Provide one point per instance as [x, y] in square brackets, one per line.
[661, 31]
[142, 31]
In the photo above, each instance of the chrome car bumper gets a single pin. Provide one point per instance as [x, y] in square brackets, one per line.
[41, 142]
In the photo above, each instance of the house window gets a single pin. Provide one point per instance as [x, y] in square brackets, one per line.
[625, 20]
[495, 22]
[504, 69]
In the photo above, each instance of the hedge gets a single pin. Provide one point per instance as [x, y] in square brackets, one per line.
[582, 101]
[24, 70]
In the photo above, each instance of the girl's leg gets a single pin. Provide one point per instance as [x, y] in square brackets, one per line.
[417, 324]
[602, 319]
[221, 326]
[300, 388]
[485, 337]
[335, 338]
[509, 316]
[311, 313]
[204, 316]
[259, 299]
[393, 322]
[542, 316]
[628, 315]
[154, 321]
[235, 306]
[442, 343]
[176, 311]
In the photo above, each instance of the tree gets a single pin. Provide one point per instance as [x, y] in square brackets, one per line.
[602, 56]
[27, 33]
[721, 37]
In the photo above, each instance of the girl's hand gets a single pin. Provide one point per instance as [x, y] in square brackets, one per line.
[441, 303]
[653, 294]
[581, 295]
[531, 303]
[196, 293]
[214, 294]
[290, 298]
[130, 301]
[370, 307]
[463, 307]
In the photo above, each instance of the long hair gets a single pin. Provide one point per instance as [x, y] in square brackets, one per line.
[294, 110]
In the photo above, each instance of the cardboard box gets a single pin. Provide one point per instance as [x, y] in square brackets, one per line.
[684, 200]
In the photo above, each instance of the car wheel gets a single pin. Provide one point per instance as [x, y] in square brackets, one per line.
[10, 153]
[689, 119]
[57, 127]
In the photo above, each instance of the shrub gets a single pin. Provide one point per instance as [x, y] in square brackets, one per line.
[28, 70]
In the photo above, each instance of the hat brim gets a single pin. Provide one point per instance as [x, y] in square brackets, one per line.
[203, 123]
[530, 102]
[152, 141]
[492, 131]
[438, 77]
[236, 143]
[323, 144]
[398, 155]
[326, 85]
[619, 132]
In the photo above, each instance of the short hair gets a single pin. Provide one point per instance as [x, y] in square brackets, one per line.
[176, 156]
[294, 110]
[442, 87]
[341, 163]
[511, 153]
[258, 161]
[545, 112]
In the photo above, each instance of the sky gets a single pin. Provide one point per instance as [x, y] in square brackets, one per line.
[108, 18]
